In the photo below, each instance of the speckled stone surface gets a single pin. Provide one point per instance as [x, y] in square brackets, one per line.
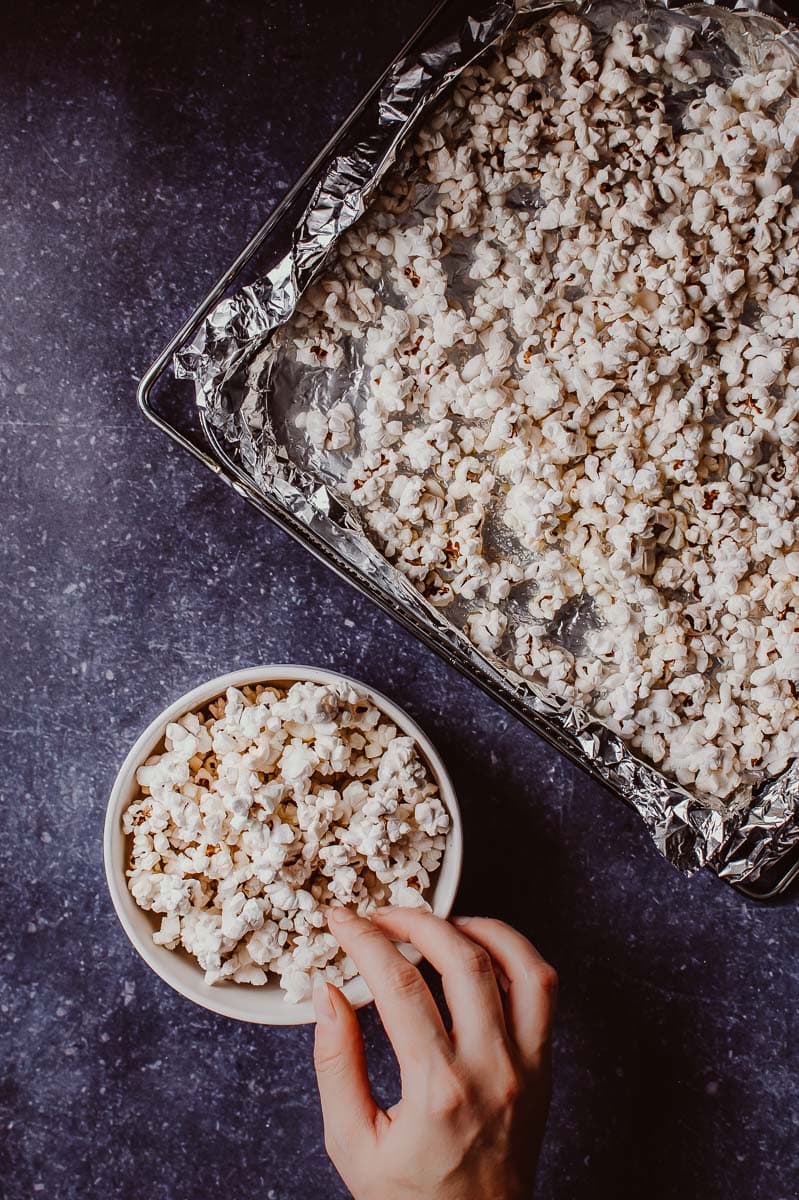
[141, 144]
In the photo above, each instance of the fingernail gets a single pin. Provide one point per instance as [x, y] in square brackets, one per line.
[338, 915]
[322, 1000]
[461, 920]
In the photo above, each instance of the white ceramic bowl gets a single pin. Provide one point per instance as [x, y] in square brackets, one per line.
[264, 1005]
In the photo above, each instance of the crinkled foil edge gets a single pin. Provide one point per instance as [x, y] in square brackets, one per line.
[740, 846]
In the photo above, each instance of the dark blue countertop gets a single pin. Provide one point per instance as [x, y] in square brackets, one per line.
[142, 144]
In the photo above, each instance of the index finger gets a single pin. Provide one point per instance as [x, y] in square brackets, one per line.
[406, 1006]
[532, 983]
[467, 974]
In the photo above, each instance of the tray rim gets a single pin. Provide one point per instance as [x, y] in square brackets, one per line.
[211, 455]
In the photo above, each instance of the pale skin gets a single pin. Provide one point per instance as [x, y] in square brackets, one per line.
[474, 1097]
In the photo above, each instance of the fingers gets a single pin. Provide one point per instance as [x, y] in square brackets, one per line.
[532, 983]
[467, 974]
[348, 1108]
[407, 1009]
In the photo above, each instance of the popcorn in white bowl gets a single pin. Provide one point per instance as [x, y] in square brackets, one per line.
[251, 806]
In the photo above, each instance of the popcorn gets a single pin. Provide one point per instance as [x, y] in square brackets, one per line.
[582, 387]
[332, 430]
[267, 808]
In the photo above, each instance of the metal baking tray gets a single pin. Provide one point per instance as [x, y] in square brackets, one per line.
[159, 393]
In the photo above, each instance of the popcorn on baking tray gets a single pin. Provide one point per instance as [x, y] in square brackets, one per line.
[604, 410]
[265, 809]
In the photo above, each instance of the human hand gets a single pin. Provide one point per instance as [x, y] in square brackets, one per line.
[474, 1100]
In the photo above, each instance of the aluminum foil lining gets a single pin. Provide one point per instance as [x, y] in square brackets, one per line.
[245, 404]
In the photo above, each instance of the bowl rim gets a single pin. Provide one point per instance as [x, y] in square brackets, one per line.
[214, 998]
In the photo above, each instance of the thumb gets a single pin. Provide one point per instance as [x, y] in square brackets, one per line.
[348, 1108]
